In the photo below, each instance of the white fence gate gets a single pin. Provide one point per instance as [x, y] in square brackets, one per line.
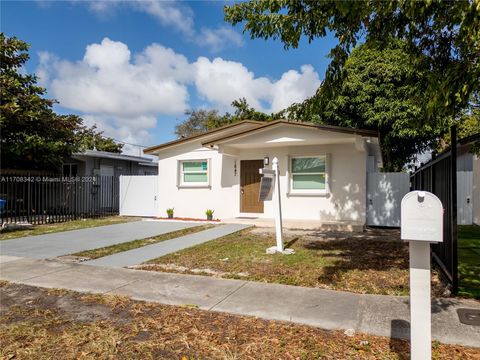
[139, 195]
[384, 194]
[464, 197]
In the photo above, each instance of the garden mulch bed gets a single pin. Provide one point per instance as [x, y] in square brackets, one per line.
[58, 324]
[372, 262]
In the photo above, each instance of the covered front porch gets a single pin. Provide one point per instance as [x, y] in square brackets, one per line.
[322, 175]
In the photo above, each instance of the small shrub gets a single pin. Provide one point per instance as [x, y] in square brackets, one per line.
[209, 214]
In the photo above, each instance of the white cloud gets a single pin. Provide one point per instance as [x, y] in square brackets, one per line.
[107, 81]
[221, 81]
[219, 38]
[172, 14]
[294, 87]
[129, 130]
[168, 13]
[101, 7]
[125, 94]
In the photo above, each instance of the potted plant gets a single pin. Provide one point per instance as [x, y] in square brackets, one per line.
[209, 214]
[170, 213]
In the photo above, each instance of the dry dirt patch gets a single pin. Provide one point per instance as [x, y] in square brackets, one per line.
[57, 324]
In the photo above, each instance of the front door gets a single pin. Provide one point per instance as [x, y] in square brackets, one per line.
[250, 186]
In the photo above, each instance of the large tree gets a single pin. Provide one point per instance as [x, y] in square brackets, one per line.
[33, 136]
[200, 121]
[382, 89]
[468, 124]
[447, 33]
[197, 122]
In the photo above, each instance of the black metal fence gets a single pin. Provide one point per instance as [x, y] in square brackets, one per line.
[46, 199]
[439, 176]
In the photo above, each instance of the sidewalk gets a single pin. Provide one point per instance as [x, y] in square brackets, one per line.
[372, 314]
[149, 252]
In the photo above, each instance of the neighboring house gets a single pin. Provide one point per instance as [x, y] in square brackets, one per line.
[468, 182]
[476, 190]
[323, 171]
[102, 163]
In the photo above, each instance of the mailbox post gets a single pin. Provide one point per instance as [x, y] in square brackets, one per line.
[421, 225]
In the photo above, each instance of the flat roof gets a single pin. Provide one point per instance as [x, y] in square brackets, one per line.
[111, 155]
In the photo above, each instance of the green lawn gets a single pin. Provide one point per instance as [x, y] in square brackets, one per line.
[113, 249]
[469, 260]
[65, 226]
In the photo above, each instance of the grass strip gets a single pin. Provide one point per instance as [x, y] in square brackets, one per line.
[113, 249]
[65, 226]
[469, 261]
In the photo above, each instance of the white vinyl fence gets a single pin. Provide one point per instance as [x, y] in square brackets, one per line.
[384, 194]
[139, 195]
[464, 197]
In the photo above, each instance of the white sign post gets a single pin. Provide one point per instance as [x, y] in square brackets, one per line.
[272, 177]
[278, 207]
[421, 225]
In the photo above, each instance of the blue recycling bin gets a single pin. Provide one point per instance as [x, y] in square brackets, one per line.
[3, 203]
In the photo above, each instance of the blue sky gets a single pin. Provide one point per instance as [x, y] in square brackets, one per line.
[134, 67]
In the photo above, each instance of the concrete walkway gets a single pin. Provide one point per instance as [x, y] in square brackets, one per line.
[377, 315]
[149, 252]
[68, 242]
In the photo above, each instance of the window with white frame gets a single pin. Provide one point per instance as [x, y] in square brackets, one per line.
[308, 174]
[194, 172]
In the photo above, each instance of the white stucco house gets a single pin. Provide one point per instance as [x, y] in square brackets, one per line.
[323, 171]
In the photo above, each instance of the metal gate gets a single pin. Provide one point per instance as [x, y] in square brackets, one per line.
[384, 195]
[464, 197]
[439, 176]
[139, 195]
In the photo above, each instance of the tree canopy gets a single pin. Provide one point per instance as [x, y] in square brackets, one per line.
[382, 89]
[468, 124]
[445, 33]
[33, 136]
[200, 121]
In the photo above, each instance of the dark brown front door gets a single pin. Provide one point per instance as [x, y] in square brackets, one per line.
[250, 186]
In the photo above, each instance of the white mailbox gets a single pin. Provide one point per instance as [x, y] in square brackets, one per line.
[422, 224]
[421, 217]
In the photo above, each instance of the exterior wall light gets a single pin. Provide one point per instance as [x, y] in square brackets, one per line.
[266, 160]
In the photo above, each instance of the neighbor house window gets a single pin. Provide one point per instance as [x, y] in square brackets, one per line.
[69, 170]
[194, 172]
[308, 174]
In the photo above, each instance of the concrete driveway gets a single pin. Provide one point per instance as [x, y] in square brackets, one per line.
[68, 242]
